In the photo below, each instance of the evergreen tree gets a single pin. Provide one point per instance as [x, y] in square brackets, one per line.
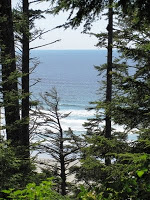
[128, 175]
[80, 11]
[25, 33]
[109, 70]
[141, 6]
[133, 104]
[25, 80]
[9, 74]
[62, 146]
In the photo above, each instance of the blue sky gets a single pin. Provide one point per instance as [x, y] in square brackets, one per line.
[70, 39]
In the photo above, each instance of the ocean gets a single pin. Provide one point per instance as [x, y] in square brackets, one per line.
[73, 75]
[71, 72]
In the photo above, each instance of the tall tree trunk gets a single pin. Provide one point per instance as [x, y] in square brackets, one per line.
[25, 80]
[109, 69]
[109, 72]
[62, 159]
[63, 174]
[9, 73]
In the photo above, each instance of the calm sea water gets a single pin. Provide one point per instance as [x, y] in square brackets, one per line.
[71, 72]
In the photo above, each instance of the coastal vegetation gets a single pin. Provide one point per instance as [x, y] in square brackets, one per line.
[105, 164]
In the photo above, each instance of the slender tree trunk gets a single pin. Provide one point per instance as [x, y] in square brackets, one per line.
[62, 160]
[109, 69]
[109, 73]
[9, 73]
[63, 174]
[25, 80]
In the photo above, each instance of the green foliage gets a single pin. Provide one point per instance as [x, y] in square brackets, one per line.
[88, 195]
[9, 167]
[14, 172]
[132, 106]
[141, 7]
[126, 178]
[80, 11]
[44, 191]
[20, 23]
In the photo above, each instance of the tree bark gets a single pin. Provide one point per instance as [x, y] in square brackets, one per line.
[62, 160]
[62, 174]
[109, 69]
[9, 73]
[25, 80]
[109, 75]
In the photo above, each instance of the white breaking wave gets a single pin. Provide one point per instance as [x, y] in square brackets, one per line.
[75, 121]
[74, 124]
[79, 113]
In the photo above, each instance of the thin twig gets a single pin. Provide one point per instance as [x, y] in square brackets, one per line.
[45, 44]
